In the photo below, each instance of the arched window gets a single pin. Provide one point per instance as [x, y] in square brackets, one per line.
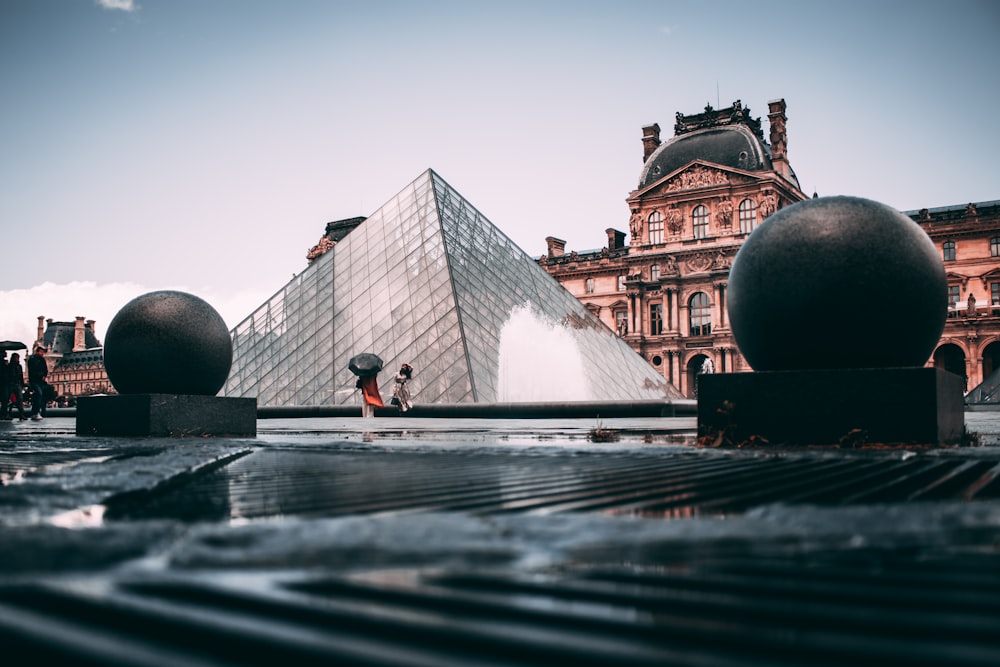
[949, 251]
[700, 219]
[748, 216]
[654, 272]
[700, 314]
[995, 246]
[655, 227]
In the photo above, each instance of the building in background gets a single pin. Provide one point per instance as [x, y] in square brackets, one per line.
[75, 358]
[700, 194]
[968, 237]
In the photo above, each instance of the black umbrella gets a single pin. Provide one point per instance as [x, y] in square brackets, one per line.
[365, 364]
[12, 345]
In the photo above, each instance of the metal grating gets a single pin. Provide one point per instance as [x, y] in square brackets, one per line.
[278, 482]
[724, 607]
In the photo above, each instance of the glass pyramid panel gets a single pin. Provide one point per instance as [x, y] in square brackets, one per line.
[427, 280]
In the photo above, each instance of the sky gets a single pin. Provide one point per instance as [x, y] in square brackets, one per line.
[203, 145]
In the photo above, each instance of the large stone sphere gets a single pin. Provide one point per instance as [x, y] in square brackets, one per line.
[837, 282]
[168, 342]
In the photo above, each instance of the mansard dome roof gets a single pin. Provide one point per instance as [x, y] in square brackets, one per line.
[727, 145]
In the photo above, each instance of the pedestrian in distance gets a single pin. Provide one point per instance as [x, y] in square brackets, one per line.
[400, 392]
[15, 384]
[38, 370]
[4, 388]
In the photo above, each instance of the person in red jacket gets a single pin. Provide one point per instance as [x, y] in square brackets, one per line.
[371, 398]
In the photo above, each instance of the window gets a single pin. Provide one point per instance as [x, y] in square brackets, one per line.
[621, 322]
[949, 251]
[654, 272]
[621, 283]
[655, 319]
[700, 219]
[954, 295]
[655, 227]
[995, 246]
[995, 294]
[748, 216]
[589, 285]
[700, 314]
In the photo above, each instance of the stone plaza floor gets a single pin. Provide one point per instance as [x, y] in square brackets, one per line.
[495, 542]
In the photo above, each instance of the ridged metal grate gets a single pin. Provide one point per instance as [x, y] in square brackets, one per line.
[221, 586]
[276, 482]
[731, 607]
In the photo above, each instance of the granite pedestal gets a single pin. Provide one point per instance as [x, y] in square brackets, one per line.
[888, 405]
[166, 415]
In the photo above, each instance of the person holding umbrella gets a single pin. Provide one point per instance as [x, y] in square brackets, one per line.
[366, 366]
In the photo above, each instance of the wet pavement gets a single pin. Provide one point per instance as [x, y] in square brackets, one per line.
[495, 542]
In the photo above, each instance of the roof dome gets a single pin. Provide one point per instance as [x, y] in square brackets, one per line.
[727, 145]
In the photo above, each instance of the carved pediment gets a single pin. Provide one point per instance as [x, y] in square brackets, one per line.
[696, 176]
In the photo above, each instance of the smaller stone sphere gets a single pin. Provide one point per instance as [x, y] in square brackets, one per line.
[837, 282]
[168, 342]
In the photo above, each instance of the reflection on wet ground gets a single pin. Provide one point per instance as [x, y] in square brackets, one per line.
[495, 542]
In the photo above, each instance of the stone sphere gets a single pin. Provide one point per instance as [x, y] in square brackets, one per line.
[837, 282]
[168, 342]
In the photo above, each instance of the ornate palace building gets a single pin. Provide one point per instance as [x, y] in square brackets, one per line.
[968, 237]
[700, 194]
[75, 358]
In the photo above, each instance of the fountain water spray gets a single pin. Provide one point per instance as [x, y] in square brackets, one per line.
[540, 360]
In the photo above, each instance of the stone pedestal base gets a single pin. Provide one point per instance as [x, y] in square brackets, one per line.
[166, 415]
[888, 405]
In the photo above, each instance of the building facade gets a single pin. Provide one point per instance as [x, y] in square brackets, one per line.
[968, 237]
[700, 195]
[75, 358]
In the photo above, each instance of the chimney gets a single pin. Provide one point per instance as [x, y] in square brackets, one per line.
[650, 140]
[92, 325]
[616, 239]
[41, 329]
[779, 137]
[79, 335]
[557, 247]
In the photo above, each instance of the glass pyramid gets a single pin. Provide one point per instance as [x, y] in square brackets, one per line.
[427, 280]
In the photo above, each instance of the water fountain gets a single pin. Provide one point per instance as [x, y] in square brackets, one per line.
[539, 360]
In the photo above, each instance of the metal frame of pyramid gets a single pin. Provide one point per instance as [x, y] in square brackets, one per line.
[426, 280]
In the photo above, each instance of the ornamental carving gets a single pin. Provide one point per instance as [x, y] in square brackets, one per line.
[675, 221]
[725, 212]
[697, 177]
[768, 204]
[635, 224]
[722, 261]
[320, 248]
[699, 262]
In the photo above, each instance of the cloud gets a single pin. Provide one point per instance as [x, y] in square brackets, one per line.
[124, 5]
[101, 302]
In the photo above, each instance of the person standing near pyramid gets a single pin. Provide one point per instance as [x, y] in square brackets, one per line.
[370, 396]
[399, 390]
